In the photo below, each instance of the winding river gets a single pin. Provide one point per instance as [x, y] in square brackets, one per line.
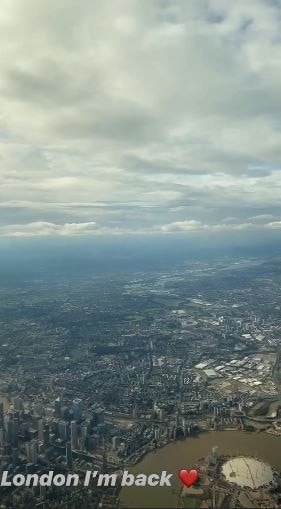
[181, 454]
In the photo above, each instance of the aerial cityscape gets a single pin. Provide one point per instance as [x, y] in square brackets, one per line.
[140, 254]
[99, 371]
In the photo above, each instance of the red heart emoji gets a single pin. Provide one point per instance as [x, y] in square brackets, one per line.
[188, 477]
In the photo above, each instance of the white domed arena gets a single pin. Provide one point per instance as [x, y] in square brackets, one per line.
[248, 472]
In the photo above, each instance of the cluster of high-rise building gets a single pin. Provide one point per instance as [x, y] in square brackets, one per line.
[139, 361]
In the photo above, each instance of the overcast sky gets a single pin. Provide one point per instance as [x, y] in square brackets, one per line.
[147, 116]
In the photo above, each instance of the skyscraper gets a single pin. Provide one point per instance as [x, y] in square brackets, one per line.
[57, 407]
[9, 431]
[77, 409]
[74, 436]
[41, 430]
[31, 451]
[2, 437]
[18, 403]
[68, 455]
[64, 430]
[15, 456]
[115, 443]
[46, 434]
[1, 414]
[104, 460]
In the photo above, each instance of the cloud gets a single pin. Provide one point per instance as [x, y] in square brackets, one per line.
[183, 226]
[223, 227]
[45, 229]
[276, 225]
[140, 114]
[42, 229]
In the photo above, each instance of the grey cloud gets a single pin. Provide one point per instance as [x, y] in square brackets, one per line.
[140, 114]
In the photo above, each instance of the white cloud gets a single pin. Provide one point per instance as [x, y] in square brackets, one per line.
[183, 226]
[276, 225]
[42, 229]
[169, 109]
[45, 229]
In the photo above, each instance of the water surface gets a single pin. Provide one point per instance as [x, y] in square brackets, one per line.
[181, 454]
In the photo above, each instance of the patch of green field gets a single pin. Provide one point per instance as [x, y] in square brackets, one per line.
[169, 302]
[192, 502]
[255, 425]
[264, 408]
[259, 409]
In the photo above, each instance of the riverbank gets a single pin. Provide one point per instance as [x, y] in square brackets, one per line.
[186, 454]
[136, 458]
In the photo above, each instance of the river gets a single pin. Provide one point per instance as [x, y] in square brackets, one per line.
[185, 454]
